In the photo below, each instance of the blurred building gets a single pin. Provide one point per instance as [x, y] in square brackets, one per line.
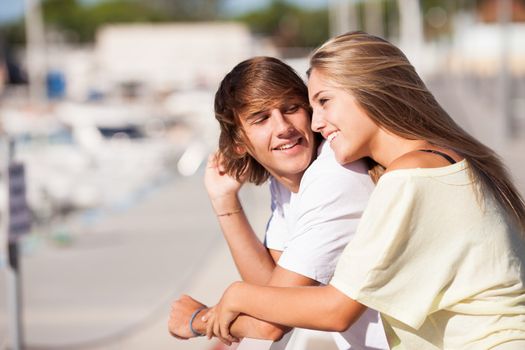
[167, 56]
[482, 41]
[136, 59]
[488, 11]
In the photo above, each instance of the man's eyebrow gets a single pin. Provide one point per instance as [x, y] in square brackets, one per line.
[254, 115]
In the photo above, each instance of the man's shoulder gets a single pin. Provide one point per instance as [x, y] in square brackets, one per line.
[325, 168]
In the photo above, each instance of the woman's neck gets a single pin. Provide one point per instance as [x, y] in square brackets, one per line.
[387, 147]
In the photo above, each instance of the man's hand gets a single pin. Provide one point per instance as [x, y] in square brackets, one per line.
[181, 311]
[221, 187]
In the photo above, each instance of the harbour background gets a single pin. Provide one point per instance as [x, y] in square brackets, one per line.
[115, 136]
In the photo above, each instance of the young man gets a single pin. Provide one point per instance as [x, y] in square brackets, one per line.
[263, 111]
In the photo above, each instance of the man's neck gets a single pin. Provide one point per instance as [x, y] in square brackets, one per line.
[291, 182]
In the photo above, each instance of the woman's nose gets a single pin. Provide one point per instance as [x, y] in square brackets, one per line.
[317, 122]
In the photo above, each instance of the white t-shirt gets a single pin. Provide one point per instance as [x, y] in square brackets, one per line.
[446, 270]
[313, 226]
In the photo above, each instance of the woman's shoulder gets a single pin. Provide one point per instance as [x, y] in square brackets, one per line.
[419, 159]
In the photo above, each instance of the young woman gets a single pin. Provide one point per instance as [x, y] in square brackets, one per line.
[440, 249]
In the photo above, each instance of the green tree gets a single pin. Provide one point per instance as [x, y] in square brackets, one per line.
[80, 22]
[184, 10]
[83, 21]
[13, 33]
[289, 25]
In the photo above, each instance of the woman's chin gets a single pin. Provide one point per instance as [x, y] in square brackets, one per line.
[342, 159]
[345, 158]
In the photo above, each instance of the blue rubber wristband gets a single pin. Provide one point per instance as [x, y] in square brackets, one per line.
[195, 313]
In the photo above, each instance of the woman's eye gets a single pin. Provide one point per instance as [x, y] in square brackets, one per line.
[322, 101]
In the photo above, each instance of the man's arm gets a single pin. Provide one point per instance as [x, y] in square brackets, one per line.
[183, 308]
[181, 311]
[325, 220]
[252, 259]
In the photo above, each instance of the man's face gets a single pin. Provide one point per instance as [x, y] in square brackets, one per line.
[281, 140]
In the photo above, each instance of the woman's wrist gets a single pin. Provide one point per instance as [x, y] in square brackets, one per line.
[233, 298]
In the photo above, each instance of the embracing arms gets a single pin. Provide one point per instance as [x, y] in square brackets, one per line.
[323, 308]
[244, 326]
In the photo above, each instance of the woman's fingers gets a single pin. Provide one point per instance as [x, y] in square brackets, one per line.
[225, 341]
[216, 328]
[210, 320]
[224, 328]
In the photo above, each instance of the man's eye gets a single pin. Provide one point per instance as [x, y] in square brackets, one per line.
[291, 109]
[260, 119]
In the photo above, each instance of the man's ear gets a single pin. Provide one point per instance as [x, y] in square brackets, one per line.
[240, 150]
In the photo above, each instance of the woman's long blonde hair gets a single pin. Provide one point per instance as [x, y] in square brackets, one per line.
[388, 88]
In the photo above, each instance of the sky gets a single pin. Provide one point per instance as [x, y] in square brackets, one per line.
[240, 6]
[13, 9]
[10, 9]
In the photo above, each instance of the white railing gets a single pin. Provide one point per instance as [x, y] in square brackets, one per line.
[297, 339]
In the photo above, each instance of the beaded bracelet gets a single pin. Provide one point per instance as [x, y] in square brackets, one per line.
[195, 333]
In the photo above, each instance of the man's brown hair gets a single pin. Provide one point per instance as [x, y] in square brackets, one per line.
[254, 85]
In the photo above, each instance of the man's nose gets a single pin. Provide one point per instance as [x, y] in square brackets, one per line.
[282, 124]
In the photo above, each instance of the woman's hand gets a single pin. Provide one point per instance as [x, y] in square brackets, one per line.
[220, 317]
[212, 327]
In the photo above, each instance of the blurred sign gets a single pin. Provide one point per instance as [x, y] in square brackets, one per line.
[19, 216]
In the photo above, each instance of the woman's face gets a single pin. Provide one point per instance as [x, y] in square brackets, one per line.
[341, 121]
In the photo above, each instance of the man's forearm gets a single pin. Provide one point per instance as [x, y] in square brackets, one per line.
[254, 263]
[248, 327]
[198, 324]
[245, 326]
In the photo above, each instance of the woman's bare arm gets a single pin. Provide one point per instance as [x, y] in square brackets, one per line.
[323, 308]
